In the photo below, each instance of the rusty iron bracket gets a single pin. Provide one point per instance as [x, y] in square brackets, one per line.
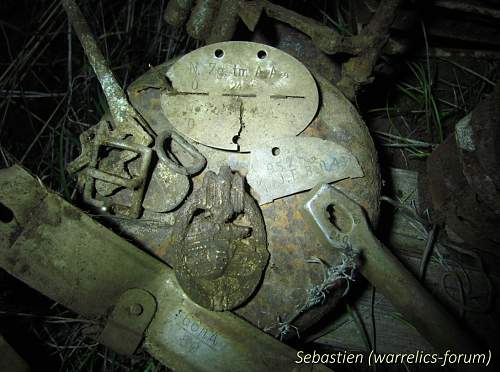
[131, 316]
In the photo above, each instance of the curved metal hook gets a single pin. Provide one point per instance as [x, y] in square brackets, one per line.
[199, 160]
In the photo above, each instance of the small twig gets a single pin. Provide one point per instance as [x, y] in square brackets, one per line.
[405, 139]
[358, 321]
[472, 72]
[49, 120]
[50, 318]
[358, 70]
[404, 208]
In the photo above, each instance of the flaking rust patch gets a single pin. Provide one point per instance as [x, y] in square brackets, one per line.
[287, 166]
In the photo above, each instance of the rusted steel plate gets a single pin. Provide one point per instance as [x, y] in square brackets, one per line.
[234, 95]
[285, 166]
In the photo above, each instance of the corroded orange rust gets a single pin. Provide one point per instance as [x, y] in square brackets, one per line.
[291, 242]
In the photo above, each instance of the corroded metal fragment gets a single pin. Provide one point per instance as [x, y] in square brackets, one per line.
[234, 95]
[177, 12]
[225, 23]
[250, 12]
[202, 17]
[286, 166]
[131, 316]
[166, 189]
[219, 243]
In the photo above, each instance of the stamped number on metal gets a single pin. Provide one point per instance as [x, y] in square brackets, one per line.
[234, 95]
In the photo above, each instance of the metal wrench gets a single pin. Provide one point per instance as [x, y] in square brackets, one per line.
[384, 270]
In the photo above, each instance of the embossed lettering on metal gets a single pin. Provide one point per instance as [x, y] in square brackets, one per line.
[233, 95]
[285, 166]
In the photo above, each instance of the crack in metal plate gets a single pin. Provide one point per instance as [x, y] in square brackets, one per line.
[285, 166]
[234, 95]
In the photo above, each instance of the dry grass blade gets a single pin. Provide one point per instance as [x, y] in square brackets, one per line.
[17, 70]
